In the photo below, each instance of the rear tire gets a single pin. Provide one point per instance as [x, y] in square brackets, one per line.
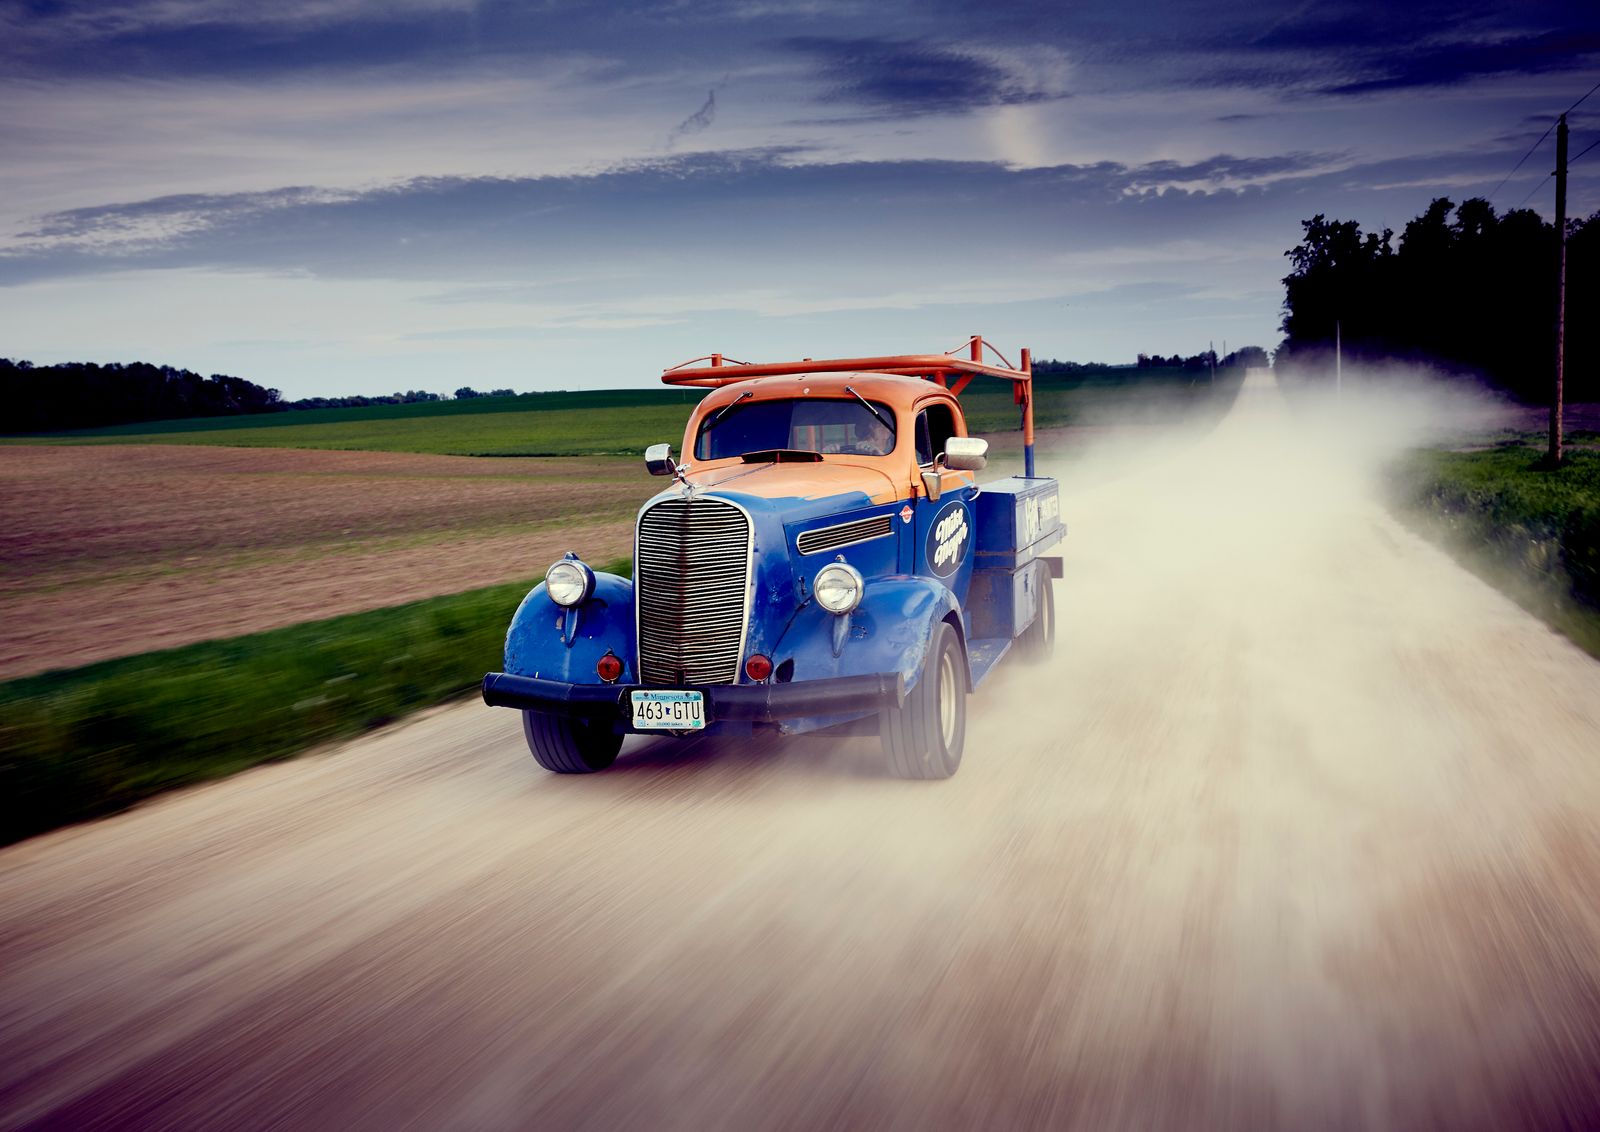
[1038, 640]
[924, 736]
[570, 746]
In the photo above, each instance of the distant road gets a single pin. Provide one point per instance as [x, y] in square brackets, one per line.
[1301, 830]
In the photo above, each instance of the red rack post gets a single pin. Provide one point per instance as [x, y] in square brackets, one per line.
[1027, 413]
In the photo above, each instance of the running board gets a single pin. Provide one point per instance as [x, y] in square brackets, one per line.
[983, 655]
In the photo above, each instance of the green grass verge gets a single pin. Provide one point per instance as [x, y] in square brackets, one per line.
[621, 422]
[89, 741]
[1533, 532]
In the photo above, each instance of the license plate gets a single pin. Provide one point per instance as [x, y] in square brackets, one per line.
[669, 711]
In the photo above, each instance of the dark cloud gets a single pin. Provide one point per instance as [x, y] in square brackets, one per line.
[138, 38]
[1339, 26]
[1449, 64]
[1344, 47]
[910, 77]
[1330, 47]
[700, 120]
[702, 117]
[221, 37]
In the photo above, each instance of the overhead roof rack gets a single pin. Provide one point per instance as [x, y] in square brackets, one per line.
[949, 369]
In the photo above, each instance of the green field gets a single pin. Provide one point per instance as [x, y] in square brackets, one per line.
[89, 741]
[625, 422]
[599, 423]
[1103, 397]
[1532, 532]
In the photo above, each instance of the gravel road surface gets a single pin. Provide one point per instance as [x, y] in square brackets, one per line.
[1301, 829]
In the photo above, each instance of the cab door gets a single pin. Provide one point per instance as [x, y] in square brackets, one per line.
[945, 529]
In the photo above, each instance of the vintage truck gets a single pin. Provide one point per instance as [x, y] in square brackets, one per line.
[823, 558]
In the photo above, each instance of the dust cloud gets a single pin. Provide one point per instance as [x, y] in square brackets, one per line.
[1296, 830]
[1349, 771]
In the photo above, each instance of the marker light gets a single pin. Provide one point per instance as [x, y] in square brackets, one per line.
[758, 667]
[569, 582]
[609, 668]
[838, 587]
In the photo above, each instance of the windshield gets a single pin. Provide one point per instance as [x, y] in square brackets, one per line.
[844, 428]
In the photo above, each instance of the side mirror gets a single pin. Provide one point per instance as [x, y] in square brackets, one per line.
[966, 453]
[658, 460]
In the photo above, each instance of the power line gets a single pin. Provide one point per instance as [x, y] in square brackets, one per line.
[1533, 190]
[1537, 144]
[1527, 155]
[1551, 175]
[1580, 101]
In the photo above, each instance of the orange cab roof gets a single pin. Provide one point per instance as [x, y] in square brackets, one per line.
[881, 478]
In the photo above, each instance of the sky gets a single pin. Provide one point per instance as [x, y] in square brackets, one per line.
[333, 197]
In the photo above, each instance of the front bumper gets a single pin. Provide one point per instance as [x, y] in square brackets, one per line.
[749, 703]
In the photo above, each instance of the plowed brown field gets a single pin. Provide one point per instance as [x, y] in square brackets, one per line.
[109, 551]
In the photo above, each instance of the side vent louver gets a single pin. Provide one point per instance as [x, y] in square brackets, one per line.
[845, 534]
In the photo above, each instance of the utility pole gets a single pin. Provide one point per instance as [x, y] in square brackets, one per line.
[1338, 363]
[1561, 290]
[1211, 348]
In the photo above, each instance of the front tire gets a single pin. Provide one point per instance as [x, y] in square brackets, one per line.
[924, 736]
[565, 745]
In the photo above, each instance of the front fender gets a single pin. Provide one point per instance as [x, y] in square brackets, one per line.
[555, 643]
[887, 633]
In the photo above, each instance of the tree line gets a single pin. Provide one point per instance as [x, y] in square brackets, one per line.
[74, 395]
[85, 395]
[1463, 286]
[361, 401]
[1205, 359]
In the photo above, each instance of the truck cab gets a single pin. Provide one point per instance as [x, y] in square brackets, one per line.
[823, 555]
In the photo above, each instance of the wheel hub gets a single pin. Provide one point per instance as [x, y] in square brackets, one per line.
[947, 699]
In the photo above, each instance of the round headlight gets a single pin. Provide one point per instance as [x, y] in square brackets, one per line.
[838, 587]
[569, 582]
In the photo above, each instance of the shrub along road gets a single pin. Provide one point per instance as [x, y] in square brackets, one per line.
[1298, 829]
[1532, 531]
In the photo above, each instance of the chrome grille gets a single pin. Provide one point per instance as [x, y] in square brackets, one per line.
[692, 570]
[844, 534]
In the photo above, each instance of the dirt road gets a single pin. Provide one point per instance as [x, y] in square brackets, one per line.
[1301, 829]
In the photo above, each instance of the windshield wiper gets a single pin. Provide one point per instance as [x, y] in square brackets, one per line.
[782, 456]
[717, 416]
[870, 409]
